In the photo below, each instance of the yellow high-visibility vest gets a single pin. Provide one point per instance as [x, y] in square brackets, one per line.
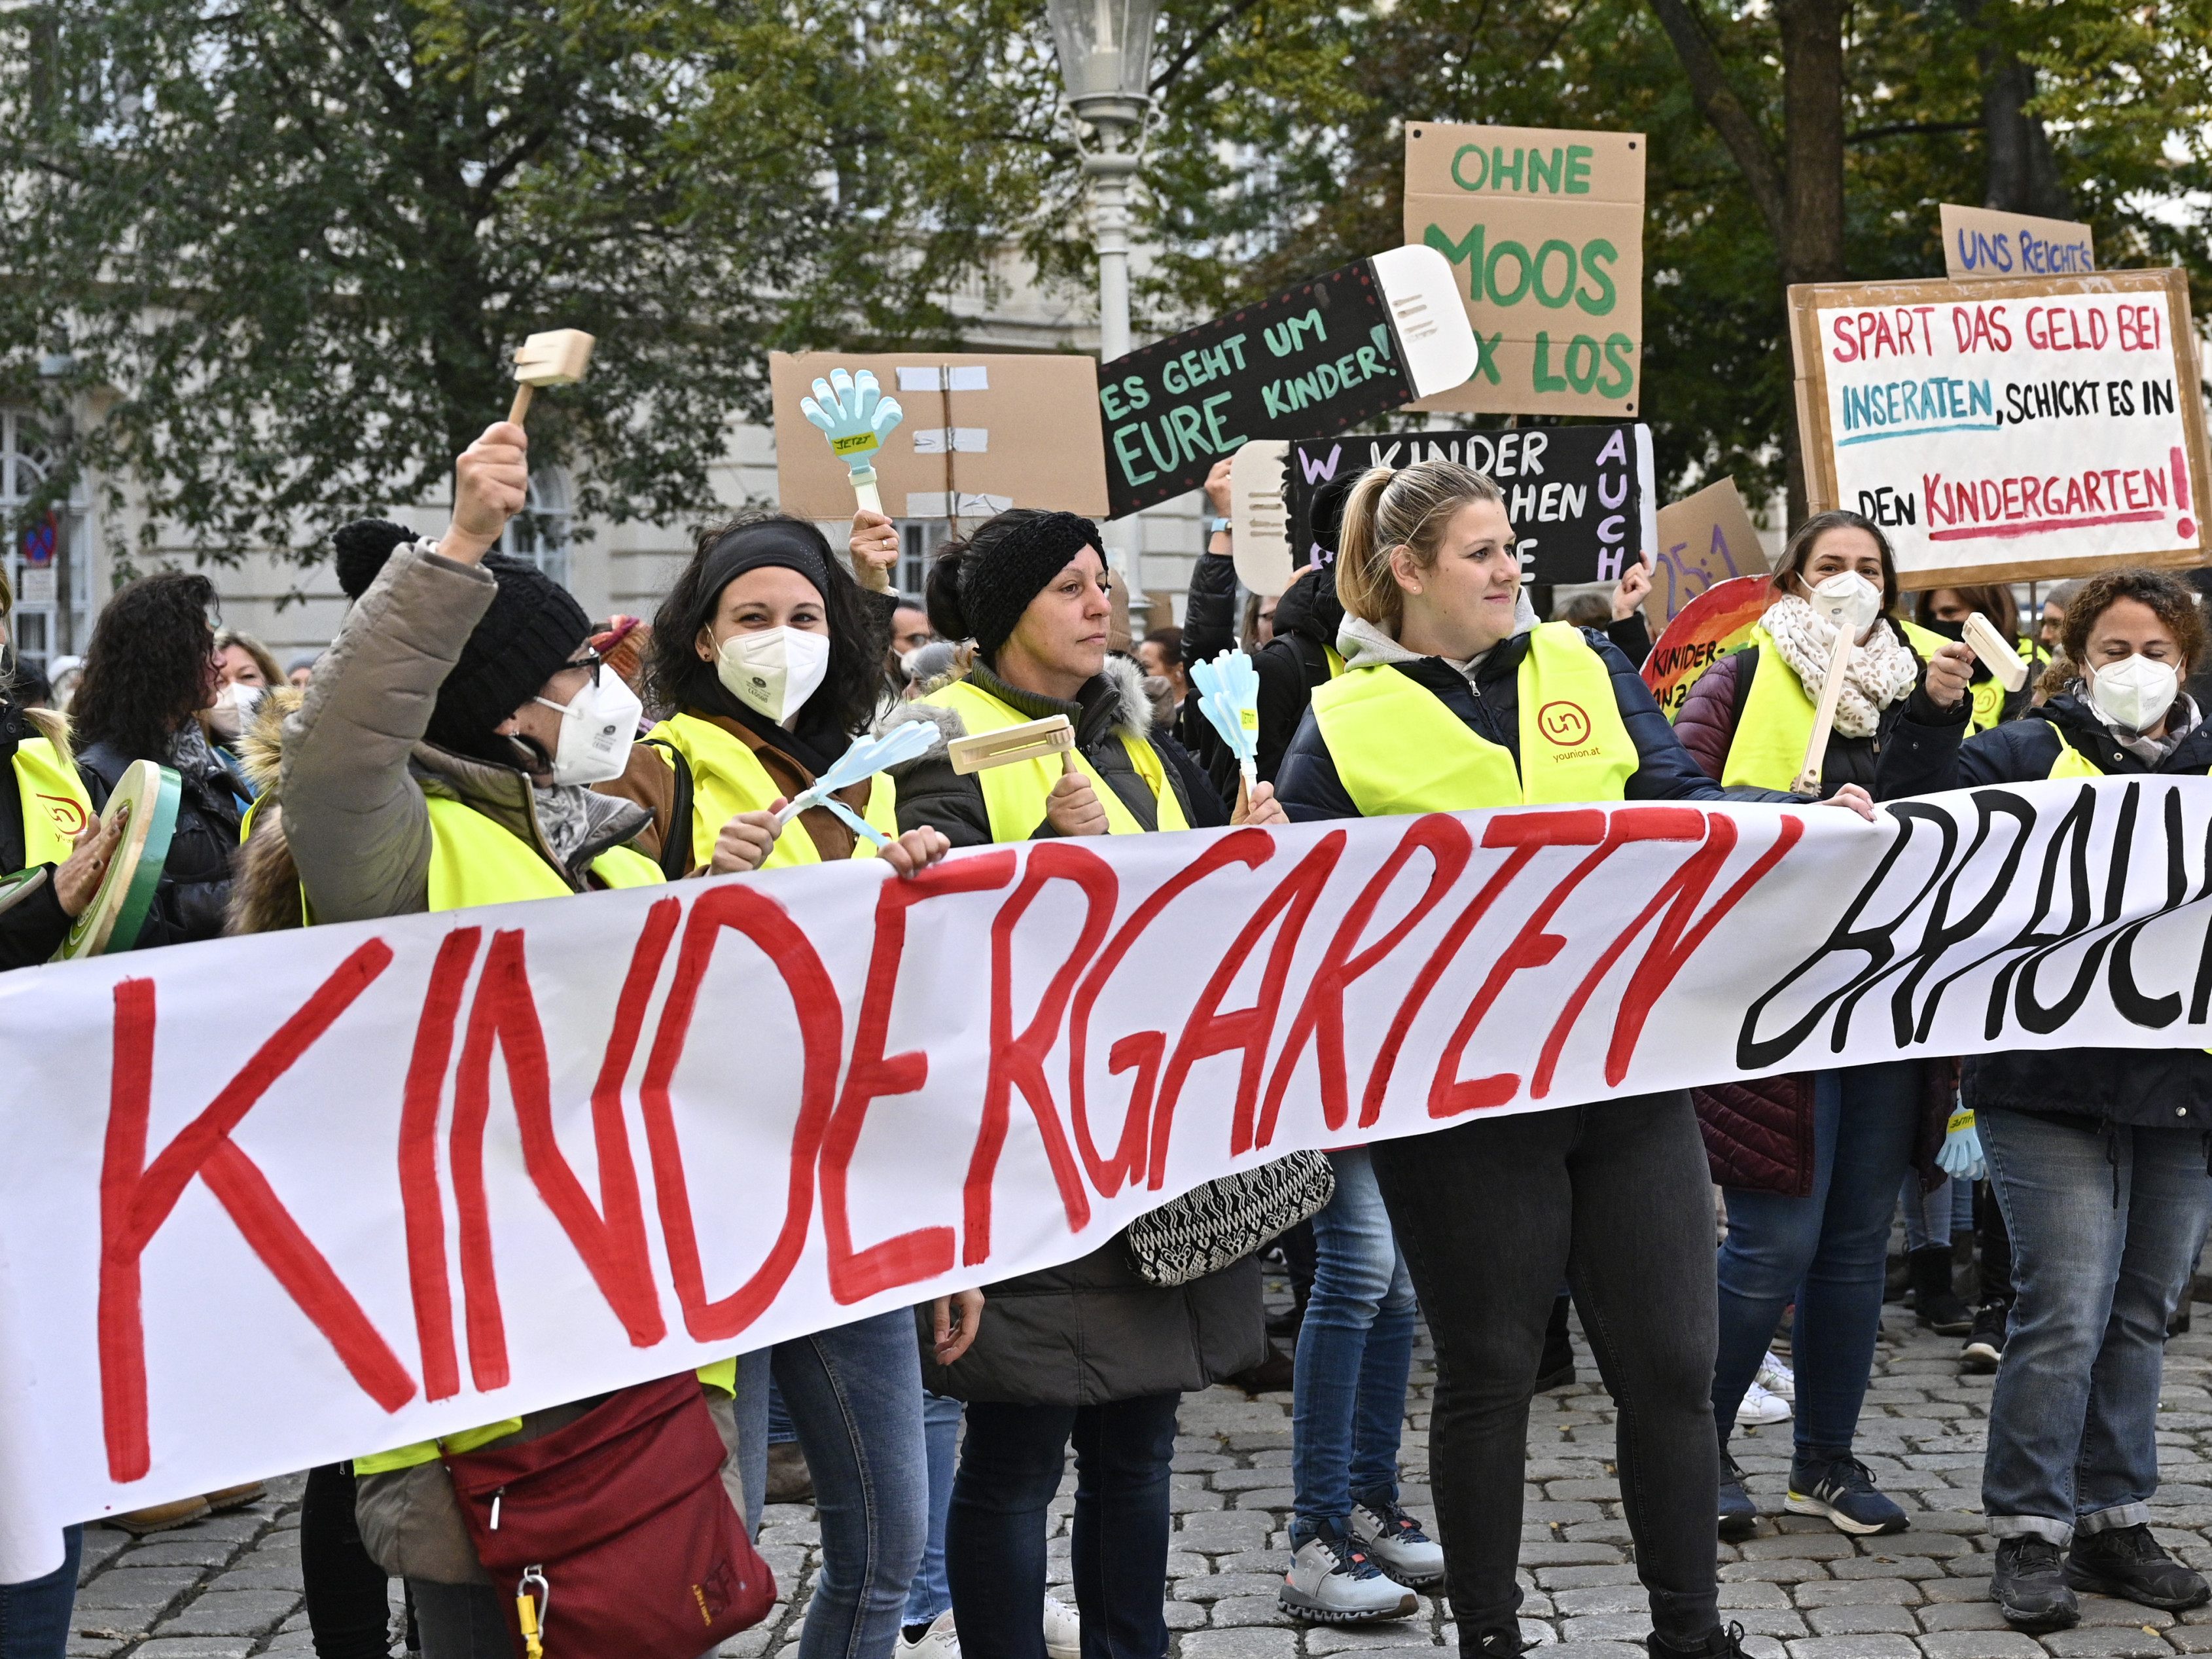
[1399, 749]
[727, 778]
[1015, 795]
[54, 802]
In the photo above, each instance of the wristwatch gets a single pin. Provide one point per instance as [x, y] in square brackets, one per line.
[1216, 526]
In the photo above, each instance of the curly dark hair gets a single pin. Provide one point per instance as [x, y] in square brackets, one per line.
[2172, 599]
[680, 678]
[150, 666]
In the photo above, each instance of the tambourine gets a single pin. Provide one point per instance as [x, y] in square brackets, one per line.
[146, 801]
[15, 889]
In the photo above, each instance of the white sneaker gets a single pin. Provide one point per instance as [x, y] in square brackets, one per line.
[1760, 1406]
[1776, 1377]
[1063, 1629]
[941, 1640]
[1394, 1540]
[1332, 1580]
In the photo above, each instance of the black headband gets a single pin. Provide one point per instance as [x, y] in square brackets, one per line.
[997, 585]
[793, 546]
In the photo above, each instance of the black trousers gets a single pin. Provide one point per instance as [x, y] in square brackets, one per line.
[348, 1608]
[1617, 1197]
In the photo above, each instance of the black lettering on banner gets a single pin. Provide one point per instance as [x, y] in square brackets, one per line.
[2069, 843]
[2128, 997]
[1942, 932]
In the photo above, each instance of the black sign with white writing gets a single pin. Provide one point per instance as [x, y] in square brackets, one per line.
[1578, 497]
[1318, 357]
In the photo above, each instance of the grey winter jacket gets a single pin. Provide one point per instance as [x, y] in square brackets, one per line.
[356, 771]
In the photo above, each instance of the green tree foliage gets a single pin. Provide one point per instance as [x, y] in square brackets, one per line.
[292, 244]
[1282, 148]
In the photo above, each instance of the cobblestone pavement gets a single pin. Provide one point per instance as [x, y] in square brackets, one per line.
[228, 1588]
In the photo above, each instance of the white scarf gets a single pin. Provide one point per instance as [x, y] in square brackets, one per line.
[1881, 671]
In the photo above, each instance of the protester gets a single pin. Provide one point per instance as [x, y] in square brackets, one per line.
[301, 671]
[442, 759]
[2097, 1155]
[1811, 1166]
[2052, 622]
[148, 673]
[769, 652]
[1088, 1352]
[1942, 611]
[241, 659]
[1441, 673]
[1260, 619]
[909, 628]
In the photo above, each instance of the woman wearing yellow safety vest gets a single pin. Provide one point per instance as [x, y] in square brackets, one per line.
[48, 834]
[443, 758]
[1942, 611]
[1439, 709]
[1812, 1163]
[2097, 1155]
[1088, 1351]
[772, 657]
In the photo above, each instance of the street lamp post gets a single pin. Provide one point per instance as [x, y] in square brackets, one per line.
[1106, 65]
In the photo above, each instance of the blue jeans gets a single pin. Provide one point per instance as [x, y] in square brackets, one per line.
[34, 1615]
[1937, 1216]
[1827, 1250]
[994, 1540]
[2105, 1236]
[940, 1429]
[1355, 1353]
[854, 1396]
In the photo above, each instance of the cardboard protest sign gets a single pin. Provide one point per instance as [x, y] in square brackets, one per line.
[2006, 431]
[1711, 626]
[1544, 229]
[1704, 539]
[590, 1141]
[982, 432]
[1319, 356]
[1984, 242]
[1582, 499]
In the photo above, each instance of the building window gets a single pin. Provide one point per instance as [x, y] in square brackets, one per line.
[919, 540]
[541, 532]
[46, 558]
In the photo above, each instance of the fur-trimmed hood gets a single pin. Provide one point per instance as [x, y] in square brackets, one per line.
[1119, 704]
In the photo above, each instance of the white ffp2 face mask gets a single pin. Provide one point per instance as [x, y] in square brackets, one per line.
[598, 726]
[1859, 599]
[775, 670]
[2135, 693]
[233, 711]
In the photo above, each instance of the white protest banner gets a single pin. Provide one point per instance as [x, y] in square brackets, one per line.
[1544, 229]
[1984, 243]
[2006, 431]
[272, 1202]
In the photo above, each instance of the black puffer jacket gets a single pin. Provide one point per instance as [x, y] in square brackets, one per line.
[189, 905]
[2151, 1088]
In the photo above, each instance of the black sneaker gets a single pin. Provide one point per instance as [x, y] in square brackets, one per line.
[2029, 1586]
[1841, 1488]
[1738, 1514]
[1722, 1642]
[1985, 1347]
[2129, 1563]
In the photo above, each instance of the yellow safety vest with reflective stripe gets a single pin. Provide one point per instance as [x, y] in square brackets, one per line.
[2073, 763]
[1398, 748]
[54, 802]
[727, 778]
[475, 860]
[1768, 749]
[1015, 795]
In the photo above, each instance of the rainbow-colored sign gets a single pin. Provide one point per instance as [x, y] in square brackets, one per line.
[1704, 630]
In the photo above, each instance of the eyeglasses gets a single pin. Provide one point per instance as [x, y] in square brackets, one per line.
[591, 662]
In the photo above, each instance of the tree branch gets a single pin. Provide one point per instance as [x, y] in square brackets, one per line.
[1197, 42]
[1906, 129]
[1717, 102]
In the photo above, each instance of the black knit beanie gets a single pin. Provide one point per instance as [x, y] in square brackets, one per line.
[533, 626]
[1008, 562]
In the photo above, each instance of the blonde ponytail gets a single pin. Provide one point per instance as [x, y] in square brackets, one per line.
[1386, 510]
